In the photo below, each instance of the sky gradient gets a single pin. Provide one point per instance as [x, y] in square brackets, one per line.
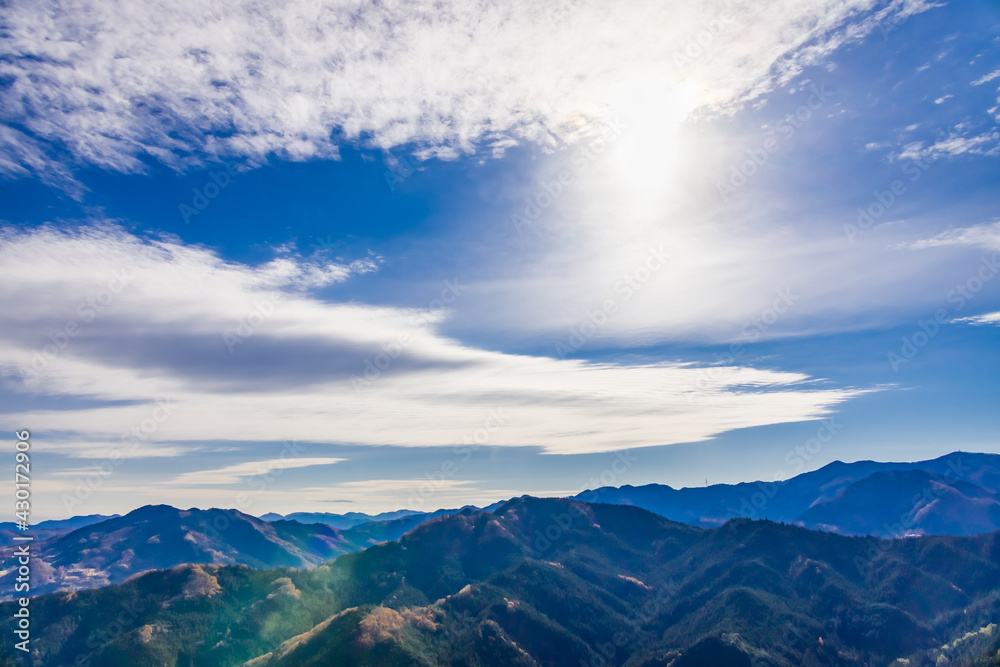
[352, 257]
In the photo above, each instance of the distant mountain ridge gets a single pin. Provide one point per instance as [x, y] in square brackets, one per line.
[157, 537]
[46, 529]
[340, 521]
[958, 493]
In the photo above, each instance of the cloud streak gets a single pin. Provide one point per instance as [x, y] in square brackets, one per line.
[986, 235]
[237, 473]
[298, 371]
[979, 320]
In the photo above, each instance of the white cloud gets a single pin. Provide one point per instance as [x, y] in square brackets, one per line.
[987, 319]
[237, 473]
[371, 496]
[107, 83]
[162, 337]
[114, 452]
[987, 77]
[729, 261]
[986, 235]
[985, 143]
[420, 494]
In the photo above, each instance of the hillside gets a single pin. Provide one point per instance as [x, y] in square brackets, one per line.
[161, 537]
[555, 582]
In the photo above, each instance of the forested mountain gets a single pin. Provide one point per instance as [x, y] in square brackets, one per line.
[158, 537]
[554, 582]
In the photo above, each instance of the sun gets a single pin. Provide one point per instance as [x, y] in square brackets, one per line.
[646, 155]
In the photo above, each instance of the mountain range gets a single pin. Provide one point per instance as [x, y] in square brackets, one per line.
[46, 529]
[954, 494]
[552, 582]
[157, 537]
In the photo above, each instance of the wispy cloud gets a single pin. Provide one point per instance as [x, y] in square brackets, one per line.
[987, 319]
[987, 77]
[237, 473]
[296, 376]
[370, 495]
[986, 143]
[986, 235]
[390, 494]
[188, 81]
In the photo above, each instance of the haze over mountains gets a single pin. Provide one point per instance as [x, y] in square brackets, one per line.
[159, 536]
[554, 582]
[956, 494]
[46, 529]
[942, 496]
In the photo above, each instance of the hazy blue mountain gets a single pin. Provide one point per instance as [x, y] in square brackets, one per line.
[46, 529]
[553, 582]
[907, 502]
[159, 537]
[340, 521]
[953, 494]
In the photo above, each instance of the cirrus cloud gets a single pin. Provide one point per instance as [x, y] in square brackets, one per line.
[109, 83]
[320, 371]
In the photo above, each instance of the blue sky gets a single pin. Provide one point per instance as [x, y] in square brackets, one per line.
[301, 258]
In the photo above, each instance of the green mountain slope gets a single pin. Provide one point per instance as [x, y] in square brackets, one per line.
[553, 582]
[159, 537]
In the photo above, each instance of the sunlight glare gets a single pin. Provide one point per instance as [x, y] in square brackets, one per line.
[646, 155]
